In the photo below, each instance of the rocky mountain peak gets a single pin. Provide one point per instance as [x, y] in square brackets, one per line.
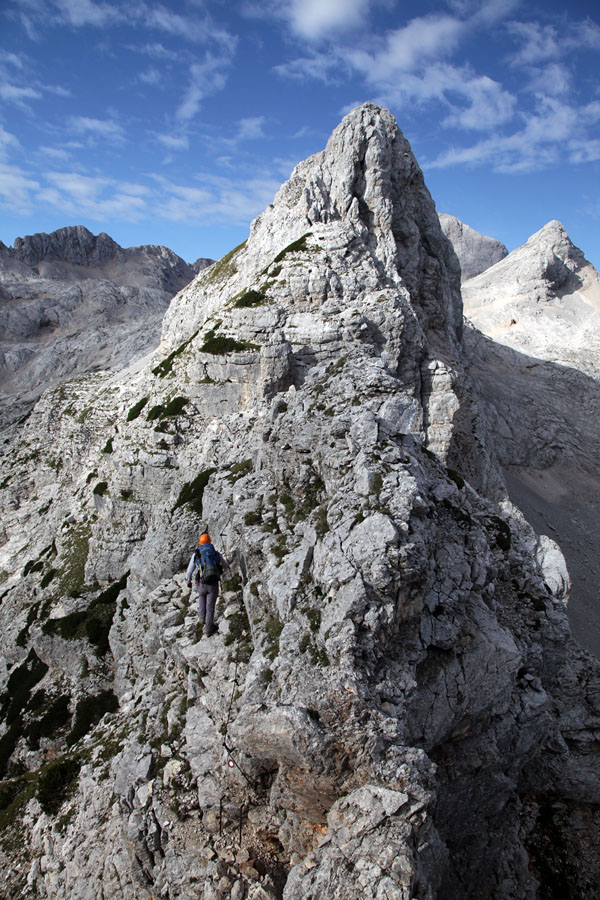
[546, 265]
[476, 252]
[73, 244]
[363, 195]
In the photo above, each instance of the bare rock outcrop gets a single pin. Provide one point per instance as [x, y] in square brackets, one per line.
[476, 252]
[393, 705]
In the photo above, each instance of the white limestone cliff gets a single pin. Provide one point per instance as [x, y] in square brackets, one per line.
[393, 705]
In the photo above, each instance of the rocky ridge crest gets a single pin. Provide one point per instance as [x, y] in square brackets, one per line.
[393, 703]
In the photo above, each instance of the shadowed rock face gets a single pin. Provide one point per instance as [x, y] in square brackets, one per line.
[476, 252]
[72, 302]
[393, 701]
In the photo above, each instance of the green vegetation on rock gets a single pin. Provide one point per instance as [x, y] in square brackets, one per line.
[136, 409]
[191, 493]
[299, 244]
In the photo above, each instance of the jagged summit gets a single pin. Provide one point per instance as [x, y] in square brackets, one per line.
[543, 298]
[546, 265]
[362, 198]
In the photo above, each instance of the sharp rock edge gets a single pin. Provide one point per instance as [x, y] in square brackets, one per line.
[393, 705]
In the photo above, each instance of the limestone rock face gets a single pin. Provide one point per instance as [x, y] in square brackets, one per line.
[393, 705]
[72, 302]
[476, 252]
[536, 354]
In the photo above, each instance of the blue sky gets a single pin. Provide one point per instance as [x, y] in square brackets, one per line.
[175, 122]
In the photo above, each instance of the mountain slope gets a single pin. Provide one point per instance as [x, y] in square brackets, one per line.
[393, 703]
[540, 375]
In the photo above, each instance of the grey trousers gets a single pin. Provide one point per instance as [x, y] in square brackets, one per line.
[207, 598]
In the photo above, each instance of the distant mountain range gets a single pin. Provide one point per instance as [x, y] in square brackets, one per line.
[73, 302]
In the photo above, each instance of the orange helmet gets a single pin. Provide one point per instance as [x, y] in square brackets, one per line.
[204, 538]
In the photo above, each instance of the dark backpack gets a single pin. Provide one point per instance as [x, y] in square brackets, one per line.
[208, 570]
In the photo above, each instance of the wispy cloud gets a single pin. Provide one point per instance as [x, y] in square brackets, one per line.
[556, 133]
[204, 79]
[150, 76]
[173, 141]
[20, 96]
[104, 129]
[196, 26]
[251, 129]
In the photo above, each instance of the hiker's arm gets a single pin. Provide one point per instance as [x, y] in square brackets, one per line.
[190, 571]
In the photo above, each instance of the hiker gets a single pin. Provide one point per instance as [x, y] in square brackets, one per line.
[208, 567]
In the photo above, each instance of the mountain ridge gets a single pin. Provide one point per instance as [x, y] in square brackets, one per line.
[393, 704]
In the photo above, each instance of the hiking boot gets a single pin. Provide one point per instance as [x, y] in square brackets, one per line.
[209, 631]
[200, 620]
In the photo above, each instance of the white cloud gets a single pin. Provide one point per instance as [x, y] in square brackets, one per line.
[173, 142]
[312, 20]
[96, 197]
[16, 189]
[85, 12]
[204, 79]
[12, 93]
[412, 47]
[539, 43]
[325, 67]
[556, 133]
[106, 129]
[150, 76]
[488, 104]
[315, 19]
[251, 128]
[8, 141]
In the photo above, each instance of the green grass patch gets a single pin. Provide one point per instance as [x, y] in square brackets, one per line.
[239, 636]
[173, 407]
[239, 470]
[166, 366]
[224, 268]
[295, 246]
[101, 488]
[273, 629]
[218, 345]
[192, 492]
[93, 623]
[56, 782]
[250, 298]
[108, 447]
[136, 409]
